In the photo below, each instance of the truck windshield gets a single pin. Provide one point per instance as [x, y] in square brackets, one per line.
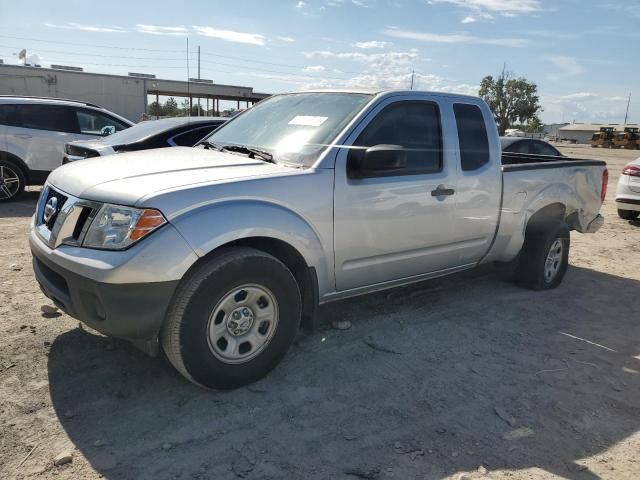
[293, 128]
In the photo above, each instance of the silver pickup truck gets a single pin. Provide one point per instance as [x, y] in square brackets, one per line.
[218, 253]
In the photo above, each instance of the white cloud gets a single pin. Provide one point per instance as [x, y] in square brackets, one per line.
[371, 44]
[468, 19]
[287, 39]
[373, 60]
[87, 28]
[496, 6]
[314, 68]
[566, 65]
[230, 35]
[455, 38]
[583, 107]
[301, 4]
[162, 30]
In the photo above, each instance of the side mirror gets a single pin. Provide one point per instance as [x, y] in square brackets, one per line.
[376, 161]
[107, 130]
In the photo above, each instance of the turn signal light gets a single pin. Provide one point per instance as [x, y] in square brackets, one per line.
[605, 184]
[147, 222]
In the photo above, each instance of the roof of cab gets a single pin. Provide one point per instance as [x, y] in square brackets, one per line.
[388, 91]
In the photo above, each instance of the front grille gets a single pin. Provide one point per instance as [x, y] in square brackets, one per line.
[69, 222]
[62, 199]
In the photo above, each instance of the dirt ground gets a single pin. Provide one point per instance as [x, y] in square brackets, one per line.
[464, 377]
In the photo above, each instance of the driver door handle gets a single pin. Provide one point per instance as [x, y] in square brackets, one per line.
[441, 191]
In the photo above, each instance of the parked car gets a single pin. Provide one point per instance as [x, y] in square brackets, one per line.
[528, 145]
[219, 253]
[166, 132]
[628, 192]
[33, 132]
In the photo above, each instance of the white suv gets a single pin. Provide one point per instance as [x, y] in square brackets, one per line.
[34, 131]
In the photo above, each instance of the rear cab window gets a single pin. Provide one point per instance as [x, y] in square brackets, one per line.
[472, 136]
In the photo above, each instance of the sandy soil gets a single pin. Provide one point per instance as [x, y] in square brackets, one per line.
[464, 377]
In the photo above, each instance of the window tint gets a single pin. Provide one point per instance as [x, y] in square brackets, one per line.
[91, 122]
[8, 115]
[46, 117]
[543, 148]
[521, 146]
[414, 126]
[190, 137]
[472, 136]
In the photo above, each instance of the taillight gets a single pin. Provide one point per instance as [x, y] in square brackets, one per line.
[631, 170]
[605, 184]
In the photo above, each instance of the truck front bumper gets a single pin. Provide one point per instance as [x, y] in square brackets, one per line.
[92, 286]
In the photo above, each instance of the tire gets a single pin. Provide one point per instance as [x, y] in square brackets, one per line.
[200, 330]
[12, 181]
[533, 270]
[628, 214]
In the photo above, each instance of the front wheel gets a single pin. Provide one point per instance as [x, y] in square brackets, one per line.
[12, 181]
[544, 258]
[233, 318]
[628, 214]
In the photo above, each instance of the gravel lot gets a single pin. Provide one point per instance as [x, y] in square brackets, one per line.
[464, 377]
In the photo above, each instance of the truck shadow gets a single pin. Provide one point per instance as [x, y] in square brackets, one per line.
[431, 380]
[24, 206]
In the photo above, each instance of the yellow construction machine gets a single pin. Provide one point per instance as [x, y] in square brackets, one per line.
[627, 139]
[603, 138]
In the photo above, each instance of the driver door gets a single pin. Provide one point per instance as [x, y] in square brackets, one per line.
[395, 225]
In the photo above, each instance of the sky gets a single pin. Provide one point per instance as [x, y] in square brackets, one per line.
[582, 54]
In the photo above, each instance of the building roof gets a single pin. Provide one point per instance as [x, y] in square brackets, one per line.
[595, 127]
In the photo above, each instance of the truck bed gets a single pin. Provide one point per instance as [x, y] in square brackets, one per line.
[527, 161]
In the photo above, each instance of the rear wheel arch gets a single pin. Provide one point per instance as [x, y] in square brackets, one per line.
[546, 218]
[10, 157]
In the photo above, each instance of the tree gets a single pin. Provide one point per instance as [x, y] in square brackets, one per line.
[171, 107]
[155, 109]
[510, 99]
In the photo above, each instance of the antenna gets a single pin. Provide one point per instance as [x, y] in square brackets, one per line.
[626, 115]
[413, 73]
[188, 83]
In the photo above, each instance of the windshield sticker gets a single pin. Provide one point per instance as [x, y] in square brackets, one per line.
[307, 121]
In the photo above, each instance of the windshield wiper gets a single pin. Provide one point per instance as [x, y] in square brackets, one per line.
[213, 145]
[251, 152]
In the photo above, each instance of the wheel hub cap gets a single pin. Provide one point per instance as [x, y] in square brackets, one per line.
[554, 260]
[240, 321]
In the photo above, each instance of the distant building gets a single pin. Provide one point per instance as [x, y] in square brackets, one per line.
[124, 95]
[553, 129]
[582, 132]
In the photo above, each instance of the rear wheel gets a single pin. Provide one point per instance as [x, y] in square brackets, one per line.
[12, 181]
[628, 214]
[544, 258]
[232, 319]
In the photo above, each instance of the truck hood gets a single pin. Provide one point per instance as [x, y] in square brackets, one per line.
[129, 178]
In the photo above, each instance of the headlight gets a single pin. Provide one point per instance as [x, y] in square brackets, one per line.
[116, 227]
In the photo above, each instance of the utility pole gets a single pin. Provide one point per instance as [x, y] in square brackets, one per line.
[413, 73]
[188, 83]
[626, 115]
[198, 77]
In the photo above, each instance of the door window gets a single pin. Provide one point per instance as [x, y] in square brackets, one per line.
[91, 122]
[472, 136]
[412, 126]
[56, 118]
